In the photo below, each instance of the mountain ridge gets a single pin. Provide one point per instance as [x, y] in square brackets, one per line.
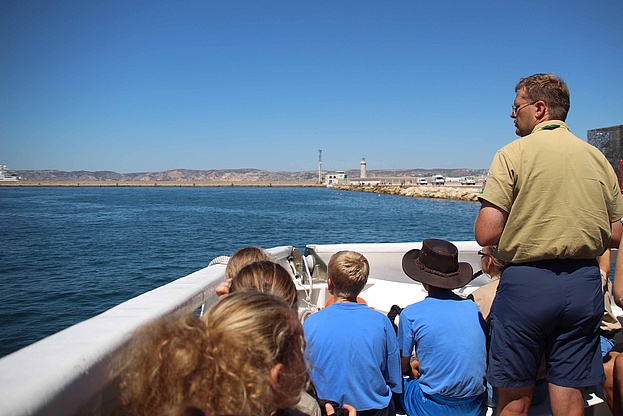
[230, 175]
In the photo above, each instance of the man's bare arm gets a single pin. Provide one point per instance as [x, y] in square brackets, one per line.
[618, 277]
[489, 224]
[616, 230]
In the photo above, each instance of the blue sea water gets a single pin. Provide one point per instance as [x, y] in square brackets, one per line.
[69, 253]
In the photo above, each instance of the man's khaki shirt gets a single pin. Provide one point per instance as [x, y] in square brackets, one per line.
[561, 195]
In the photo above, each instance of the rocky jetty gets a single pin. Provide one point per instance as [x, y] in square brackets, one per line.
[463, 193]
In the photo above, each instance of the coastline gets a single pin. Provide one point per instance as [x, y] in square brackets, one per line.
[165, 184]
[458, 192]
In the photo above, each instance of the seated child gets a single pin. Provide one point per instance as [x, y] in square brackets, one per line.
[166, 368]
[237, 261]
[609, 328]
[246, 359]
[491, 265]
[351, 348]
[268, 277]
[448, 334]
[483, 296]
[256, 358]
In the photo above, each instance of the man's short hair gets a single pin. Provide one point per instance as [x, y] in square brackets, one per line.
[349, 272]
[550, 89]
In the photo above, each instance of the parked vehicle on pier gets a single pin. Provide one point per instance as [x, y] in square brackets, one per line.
[437, 180]
[422, 181]
[467, 180]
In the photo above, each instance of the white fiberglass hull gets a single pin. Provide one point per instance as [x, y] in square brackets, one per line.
[75, 371]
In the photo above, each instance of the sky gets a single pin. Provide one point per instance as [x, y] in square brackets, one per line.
[137, 86]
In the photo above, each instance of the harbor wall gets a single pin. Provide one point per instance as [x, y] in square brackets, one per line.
[459, 192]
[182, 184]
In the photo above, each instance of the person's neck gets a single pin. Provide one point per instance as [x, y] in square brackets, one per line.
[346, 299]
[434, 290]
[493, 273]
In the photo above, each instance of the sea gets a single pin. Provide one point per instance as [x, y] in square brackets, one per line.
[70, 253]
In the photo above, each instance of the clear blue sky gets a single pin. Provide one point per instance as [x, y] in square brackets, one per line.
[135, 86]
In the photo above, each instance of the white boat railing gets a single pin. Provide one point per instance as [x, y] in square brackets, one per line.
[74, 371]
[66, 373]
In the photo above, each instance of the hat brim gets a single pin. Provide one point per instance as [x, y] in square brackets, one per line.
[411, 269]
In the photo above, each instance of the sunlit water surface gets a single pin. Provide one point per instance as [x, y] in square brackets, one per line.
[71, 253]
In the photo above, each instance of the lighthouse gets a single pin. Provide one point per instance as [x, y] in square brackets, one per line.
[362, 171]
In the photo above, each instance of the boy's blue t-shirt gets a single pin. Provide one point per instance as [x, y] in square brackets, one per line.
[353, 355]
[448, 334]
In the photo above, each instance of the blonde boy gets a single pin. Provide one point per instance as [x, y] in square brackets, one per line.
[351, 348]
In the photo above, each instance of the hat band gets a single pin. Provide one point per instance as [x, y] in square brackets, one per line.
[422, 267]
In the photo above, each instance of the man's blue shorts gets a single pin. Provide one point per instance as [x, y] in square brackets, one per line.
[551, 307]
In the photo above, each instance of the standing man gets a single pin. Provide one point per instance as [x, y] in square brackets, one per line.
[550, 203]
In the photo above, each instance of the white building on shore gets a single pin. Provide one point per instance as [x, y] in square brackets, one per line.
[339, 177]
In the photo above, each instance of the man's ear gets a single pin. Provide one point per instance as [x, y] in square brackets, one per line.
[540, 111]
[330, 286]
[275, 371]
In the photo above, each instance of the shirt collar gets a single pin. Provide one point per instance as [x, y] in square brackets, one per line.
[550, 125]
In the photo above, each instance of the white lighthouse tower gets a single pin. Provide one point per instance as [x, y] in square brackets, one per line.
[362, 171]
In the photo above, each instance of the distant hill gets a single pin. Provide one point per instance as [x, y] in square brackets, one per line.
[229, 175]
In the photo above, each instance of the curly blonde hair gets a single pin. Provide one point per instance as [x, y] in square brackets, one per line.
[268, 277]
[251, 334]
[246, 358]
[349, 272]
[165, 367]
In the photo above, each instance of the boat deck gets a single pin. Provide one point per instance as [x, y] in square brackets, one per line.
[75, 371]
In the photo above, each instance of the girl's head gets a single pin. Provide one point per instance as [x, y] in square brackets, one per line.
[166, 367]
[241, 258]
[268, 277]
[491, 263]
[255, 354]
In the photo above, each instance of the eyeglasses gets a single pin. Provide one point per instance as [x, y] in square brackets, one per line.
[516, 107]
[483, 254]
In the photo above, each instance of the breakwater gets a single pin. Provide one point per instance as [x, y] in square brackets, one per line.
[168, 184]
[460, 192]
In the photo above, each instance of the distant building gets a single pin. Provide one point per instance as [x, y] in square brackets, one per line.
[365, 181]
[610, 141]
[385, 180]
[339, 177]
[362, 172]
